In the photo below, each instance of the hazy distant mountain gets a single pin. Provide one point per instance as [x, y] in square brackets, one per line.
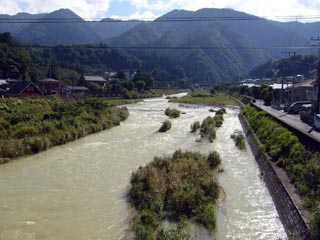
[15, 24]
[42, 28]
[72, 31]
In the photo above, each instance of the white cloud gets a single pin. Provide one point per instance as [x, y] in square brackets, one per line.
[147, 8]
[84, 8]
[147, 15]
[9, 7]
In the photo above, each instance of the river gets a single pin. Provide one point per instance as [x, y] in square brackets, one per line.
[77, 191]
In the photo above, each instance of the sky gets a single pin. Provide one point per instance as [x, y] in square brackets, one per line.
[150, 9]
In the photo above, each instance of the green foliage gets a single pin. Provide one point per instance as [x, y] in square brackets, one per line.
[195, 126]
[206, 99]
[172, 234]
[172, 113]
[214, 159]
[302, 167]
[166, 126]
[15, 62]
[206, 216]
[239, 140]
[207, 129]
[144, 225]
[180, 186]
[33, 125]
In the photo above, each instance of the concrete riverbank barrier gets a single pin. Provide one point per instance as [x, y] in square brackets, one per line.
[295, 224]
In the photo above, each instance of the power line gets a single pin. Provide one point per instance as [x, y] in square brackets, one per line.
[169, 47]
[162, 19]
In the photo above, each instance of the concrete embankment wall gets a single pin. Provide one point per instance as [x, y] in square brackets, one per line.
[289, 214]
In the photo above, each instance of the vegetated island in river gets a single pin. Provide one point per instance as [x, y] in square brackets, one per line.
[206, 98]
[29, 126]
[176, 188]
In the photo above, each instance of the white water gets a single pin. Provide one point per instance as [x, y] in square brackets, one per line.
[77, 191]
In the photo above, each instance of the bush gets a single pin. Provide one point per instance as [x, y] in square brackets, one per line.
[176, 187]
[214, 159]
[144, 225]
[239, 140]
[207, 129]
[23, 132]
[195, 126]
[43, 123]
[302, 167]
[166, 126]
[172, 113]
[206, 216]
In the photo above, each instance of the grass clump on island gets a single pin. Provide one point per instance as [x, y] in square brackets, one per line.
[182, 186]
[195, 126]
[239, 140]
[205, 98]
[30, 126]
[166, 126]
[207, 129]
[218, 118]
[172, 113]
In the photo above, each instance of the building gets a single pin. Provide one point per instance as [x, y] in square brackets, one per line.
[87, 79]
[22, 89]
[305, 90]
[50, 86]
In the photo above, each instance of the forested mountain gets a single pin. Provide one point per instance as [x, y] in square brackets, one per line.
[109, 28]
[207, 45]
[52, 32]
[15, 24]
[61, 27]
[225, 43]
[304, 65]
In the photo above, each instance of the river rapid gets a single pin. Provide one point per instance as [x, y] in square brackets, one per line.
[78, 191]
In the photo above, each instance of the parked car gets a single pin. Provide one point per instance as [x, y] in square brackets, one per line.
[297, 106]
[307, 114]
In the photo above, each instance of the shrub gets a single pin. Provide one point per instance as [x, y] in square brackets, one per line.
[239, 140]
[172, 113]
[206, 216]
[48, 122]
[144, 225]
[214, 159]
[24, 131]
[172, 234]
[195, 126]
[180, 186]
[207, 129]
[166, 126]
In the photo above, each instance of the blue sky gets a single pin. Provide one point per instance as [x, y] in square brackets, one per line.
[149, 9]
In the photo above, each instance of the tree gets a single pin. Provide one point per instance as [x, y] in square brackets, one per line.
[145, 77]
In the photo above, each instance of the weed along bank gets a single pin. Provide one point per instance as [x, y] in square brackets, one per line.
[296, 220]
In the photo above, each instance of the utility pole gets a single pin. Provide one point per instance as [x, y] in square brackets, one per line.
[288, 54]
[317, 45]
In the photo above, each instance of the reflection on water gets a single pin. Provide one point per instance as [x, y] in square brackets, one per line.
[77, 191]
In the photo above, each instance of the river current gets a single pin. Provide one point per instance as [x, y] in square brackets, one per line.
[78, 191]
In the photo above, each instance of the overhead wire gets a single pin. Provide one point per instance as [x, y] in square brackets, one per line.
[161, 19]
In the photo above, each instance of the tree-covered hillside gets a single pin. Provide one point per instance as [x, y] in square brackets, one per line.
[304, 65]
[15, 62]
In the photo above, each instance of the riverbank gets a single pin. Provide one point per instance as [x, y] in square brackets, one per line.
[29, 126]
[281, 158]
[77, 191]
[206, 99]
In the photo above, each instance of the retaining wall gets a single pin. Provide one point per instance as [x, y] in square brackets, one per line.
[291, 218]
